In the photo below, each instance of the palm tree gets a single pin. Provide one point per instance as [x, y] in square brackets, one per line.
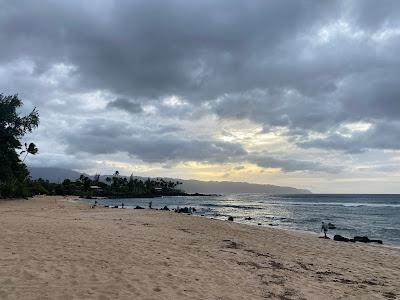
[29, 149]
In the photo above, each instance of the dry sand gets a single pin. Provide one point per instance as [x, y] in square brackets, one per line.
[65, 250]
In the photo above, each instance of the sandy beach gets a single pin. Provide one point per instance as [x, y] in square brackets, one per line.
[57, 248]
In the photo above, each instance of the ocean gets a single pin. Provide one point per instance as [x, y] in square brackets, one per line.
[376, 216]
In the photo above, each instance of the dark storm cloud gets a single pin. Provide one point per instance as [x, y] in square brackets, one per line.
[157, 48]
[309, 67]
[126, 104]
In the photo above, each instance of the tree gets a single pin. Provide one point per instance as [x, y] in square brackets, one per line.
[13, 127]
[29, 149]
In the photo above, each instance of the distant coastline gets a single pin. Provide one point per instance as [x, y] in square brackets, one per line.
[188, 186]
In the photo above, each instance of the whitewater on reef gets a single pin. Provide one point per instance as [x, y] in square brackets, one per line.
[376, 216]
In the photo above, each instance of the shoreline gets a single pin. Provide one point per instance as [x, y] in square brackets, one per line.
[60, 248]
[240, 221]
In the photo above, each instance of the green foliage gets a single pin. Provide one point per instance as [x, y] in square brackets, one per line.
[117, 186]
[13, 126]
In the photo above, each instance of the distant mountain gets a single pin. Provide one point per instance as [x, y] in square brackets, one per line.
[226, 187]
[189, 186]
[53, 174]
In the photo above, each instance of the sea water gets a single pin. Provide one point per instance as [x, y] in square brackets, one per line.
[376, 216]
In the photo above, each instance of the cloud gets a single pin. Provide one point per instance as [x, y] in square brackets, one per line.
[126, 104]
[100, 136]
[154, 49]
[104, 137]
[382, 136]
[290, 165]
[159, 80]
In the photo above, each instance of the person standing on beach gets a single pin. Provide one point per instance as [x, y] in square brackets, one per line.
[324, 227]
[151, 202]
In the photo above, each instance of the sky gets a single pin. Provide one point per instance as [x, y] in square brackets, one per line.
[297, 93]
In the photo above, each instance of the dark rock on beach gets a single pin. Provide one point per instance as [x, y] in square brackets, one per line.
[365, 239]
[138, 207]
[165, 208]
[340, 238]
[362, 239]
[185, 210]
[248, 218]
[230, 218]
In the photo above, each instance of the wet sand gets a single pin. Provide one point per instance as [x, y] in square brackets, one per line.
[56, 248]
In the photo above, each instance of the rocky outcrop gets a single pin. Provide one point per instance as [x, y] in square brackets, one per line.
[365, 239]
[340, 238]
[362, 239]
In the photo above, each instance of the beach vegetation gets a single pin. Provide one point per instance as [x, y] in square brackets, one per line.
[115, 187]
[14, 175]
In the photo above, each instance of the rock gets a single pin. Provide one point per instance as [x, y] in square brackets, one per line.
[230, 218]
[259, 224]
[138, 207]
[115, 206]
[248, 218]
[331, 226]
[376, 241]
[165, 208]
[365, 239]
[185, 210]
[340, 238]
[362, 239]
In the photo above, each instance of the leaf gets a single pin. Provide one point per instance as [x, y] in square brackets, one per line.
[32, 149]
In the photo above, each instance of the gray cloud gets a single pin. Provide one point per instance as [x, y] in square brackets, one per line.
[290, 165]
[153, 49]
[99, 136]
[383, 135]
[103, 137]
[308, 68]
[126, 104]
